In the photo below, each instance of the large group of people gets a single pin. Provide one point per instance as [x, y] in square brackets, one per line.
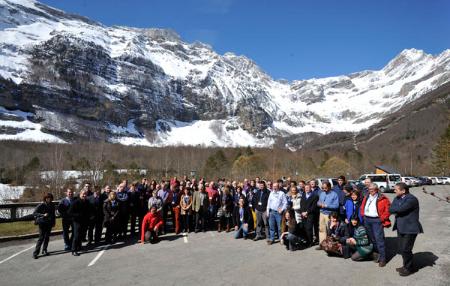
[345, 220]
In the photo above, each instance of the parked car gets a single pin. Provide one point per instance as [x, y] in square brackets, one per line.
[444, 180]
[425, 181]
[416, 181]
[434, 180]
[407, 181]
[385, 182]
[411, 181]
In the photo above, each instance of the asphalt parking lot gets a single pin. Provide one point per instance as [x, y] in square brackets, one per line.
[213, 258]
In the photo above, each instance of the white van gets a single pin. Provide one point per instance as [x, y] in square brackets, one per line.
[385, 182]
[332, 181]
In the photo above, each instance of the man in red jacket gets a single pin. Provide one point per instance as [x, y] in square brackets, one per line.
[213, 195]
[375, 211]
[150, 226]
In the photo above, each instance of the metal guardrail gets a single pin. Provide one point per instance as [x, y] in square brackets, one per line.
[13, 207]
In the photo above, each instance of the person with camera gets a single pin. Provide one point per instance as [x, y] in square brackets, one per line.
[44, 215]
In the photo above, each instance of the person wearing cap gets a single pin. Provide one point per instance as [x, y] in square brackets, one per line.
[151, 225]
[405, 207]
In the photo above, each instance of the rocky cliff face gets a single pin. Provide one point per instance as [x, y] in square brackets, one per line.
[64, 77]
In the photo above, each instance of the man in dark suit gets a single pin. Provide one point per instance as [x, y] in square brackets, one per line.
[259, 204]
[406, 209]
[308, 209]
[79, 211]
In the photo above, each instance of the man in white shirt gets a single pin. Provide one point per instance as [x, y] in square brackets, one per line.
[375, 208]
[276, 205]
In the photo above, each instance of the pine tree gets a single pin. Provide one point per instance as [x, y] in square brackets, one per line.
[441, 158]
[216, 165]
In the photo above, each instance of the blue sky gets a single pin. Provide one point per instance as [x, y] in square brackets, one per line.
[289, 39]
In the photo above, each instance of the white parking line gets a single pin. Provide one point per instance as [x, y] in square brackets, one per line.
[185, 239]
[98, 256]
[14, 255]
[45, 267]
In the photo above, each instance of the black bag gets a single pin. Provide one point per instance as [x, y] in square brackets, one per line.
[39, 220]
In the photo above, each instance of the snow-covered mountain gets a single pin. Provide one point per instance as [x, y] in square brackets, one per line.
[64, 77]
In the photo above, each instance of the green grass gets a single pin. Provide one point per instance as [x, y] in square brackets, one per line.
[23, 227]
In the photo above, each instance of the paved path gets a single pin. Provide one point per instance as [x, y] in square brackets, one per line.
[213, 258]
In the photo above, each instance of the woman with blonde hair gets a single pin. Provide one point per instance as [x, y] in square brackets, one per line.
[111, 222]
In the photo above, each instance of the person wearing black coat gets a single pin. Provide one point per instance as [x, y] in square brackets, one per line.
[44, 215]
[259, 204]
[133, 207]
[124, 209]
[96, 217]
[405, 207]
[111, 217]
[79, 211]
[241, 218]
[67, 222]
[308, 209]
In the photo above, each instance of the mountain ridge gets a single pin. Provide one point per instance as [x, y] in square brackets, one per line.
[139, 86]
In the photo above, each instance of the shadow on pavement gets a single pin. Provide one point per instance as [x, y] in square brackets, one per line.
[424, 259]
[171, 237]
[391, 248]
[421, 259]
[96, 248]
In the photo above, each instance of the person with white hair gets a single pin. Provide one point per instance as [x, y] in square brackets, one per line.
[375, 211]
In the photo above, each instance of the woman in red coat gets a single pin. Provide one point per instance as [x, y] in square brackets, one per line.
[150, 226]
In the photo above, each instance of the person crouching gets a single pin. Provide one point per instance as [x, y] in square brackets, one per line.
[150, 226]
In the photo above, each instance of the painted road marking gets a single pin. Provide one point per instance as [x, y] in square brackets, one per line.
[45, 267]
[97, 257]
[14, 255]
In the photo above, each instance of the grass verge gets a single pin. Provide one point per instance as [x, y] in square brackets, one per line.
[23, 227]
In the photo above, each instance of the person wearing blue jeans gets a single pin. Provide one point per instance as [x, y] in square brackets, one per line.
[241, 217]
[276, 205]
[274, 224]
[375, 230]
[375, 210]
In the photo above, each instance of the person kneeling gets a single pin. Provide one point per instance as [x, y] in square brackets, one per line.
[337, 234]
[150, 226]
[241, 217]
[358, 245]
[291, 236]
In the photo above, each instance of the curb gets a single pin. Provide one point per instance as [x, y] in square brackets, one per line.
[27, 236]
